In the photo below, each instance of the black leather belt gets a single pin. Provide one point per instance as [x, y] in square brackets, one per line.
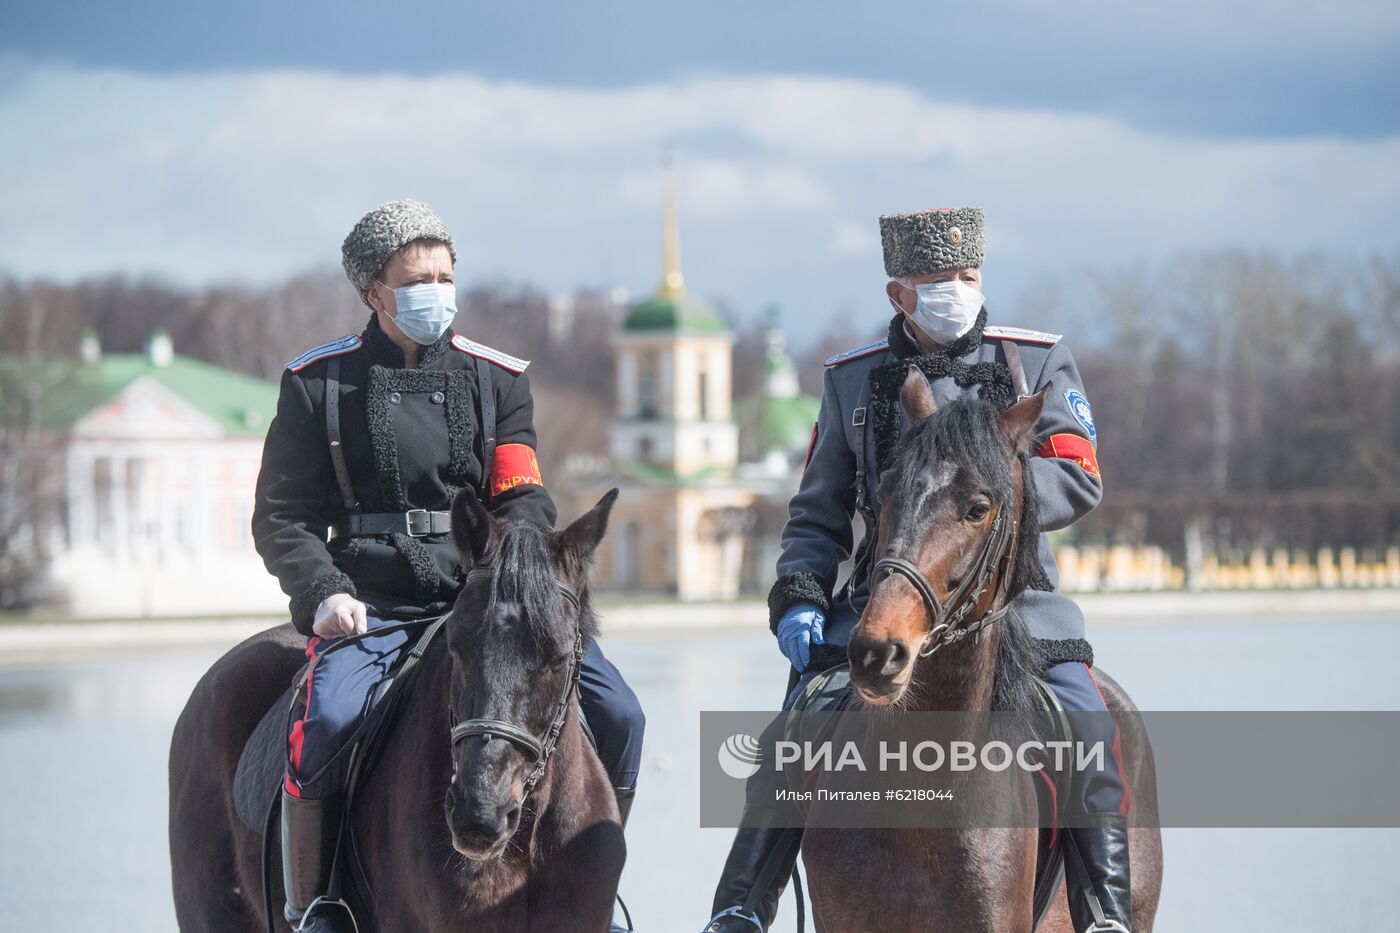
[415, 522]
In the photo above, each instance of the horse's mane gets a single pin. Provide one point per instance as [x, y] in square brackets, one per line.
[964, 432]
[523, 574]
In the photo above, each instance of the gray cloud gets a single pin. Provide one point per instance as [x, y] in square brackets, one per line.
[253, 175]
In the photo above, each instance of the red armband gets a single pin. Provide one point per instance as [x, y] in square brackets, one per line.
[1071, 447]
[515, 465]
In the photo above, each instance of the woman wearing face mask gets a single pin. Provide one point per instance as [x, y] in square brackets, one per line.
[933, 260]
[375, 434]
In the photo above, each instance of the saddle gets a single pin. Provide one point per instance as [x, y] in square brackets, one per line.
[830, 691]
[257, 782]
[258, 778]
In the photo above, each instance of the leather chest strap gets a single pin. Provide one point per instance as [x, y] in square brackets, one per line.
[1018, 371]
[487, 395]
[342, 473]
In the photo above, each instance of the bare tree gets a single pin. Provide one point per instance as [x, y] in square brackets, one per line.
[1251, 393]
[31, 479]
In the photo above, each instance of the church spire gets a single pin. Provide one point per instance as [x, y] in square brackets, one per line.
[672, 282]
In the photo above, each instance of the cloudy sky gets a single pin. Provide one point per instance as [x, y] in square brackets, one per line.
[241, 141]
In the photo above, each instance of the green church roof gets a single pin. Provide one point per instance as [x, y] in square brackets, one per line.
[787, 422]
[239, 404]
[783, 424]
[681, 314]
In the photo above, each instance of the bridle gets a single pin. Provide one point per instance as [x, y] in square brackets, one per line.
[538, 748]
[947, 615]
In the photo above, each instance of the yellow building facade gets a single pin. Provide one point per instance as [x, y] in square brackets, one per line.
[680, 524]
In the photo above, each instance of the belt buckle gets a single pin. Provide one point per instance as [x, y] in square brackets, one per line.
[423, 517]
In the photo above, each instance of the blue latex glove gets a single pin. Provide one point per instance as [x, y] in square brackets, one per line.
[799, 629]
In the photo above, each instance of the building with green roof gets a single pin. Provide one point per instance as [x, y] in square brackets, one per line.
[236, 404]
[775, 427]
[694, 519]
[142, 468]
[673, 314]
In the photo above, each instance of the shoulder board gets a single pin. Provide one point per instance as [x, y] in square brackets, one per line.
[1020, 333]
[334, 348]
[503, 360]
[877, 346]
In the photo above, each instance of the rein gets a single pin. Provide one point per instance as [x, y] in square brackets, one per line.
[947, 615]
[538, 748]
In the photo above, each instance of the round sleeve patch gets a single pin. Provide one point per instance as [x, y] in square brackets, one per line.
[1079, 407]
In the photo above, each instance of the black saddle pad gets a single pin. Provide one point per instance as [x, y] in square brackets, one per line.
[260, 767]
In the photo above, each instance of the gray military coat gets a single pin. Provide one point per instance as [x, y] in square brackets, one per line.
[859, 424]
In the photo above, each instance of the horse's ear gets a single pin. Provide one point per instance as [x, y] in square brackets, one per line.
[472, 525]
[578, 542]
[1018, 422]
[917, 396]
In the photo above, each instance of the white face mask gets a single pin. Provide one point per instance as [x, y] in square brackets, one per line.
[424, 312]
[946, 310]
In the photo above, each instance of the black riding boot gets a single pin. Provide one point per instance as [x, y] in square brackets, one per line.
[1105, 853]
[310, 829]
[624, 796]
[755, 874]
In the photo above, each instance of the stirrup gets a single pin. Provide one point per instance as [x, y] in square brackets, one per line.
[627, 914]
[737, 911]
[324, 899]
[1107, 926]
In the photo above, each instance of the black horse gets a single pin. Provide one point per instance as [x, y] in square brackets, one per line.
[486, 807]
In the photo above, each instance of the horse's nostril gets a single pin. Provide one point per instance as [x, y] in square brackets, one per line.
[895, 657]
[881, 658]
[513, 816]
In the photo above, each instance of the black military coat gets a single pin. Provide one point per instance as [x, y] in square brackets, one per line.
[412, 440]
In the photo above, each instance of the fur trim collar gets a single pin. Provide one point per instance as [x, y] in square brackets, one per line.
[992, 379]
[903, 347]
[387, 353]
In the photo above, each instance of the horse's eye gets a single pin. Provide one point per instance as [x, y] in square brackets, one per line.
[977, 511]
[559, 663]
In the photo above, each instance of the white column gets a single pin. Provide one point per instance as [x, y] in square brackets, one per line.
[203, 532]
[627, 383]
[121, 530]
[666, 382]
[159, 501]
[80, 479]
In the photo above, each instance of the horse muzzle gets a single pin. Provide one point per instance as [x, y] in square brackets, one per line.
[880, 669]
[481, 825]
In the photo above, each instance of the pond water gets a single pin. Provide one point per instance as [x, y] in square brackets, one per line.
[83, 783]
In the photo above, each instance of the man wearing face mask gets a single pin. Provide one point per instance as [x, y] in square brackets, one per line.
[375, 434]
[933, 260]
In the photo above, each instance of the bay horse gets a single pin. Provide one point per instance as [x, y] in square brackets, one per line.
[502, 821]
[959, 484]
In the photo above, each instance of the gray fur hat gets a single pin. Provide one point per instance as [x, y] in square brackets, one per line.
[924, 242]
[383, 232]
